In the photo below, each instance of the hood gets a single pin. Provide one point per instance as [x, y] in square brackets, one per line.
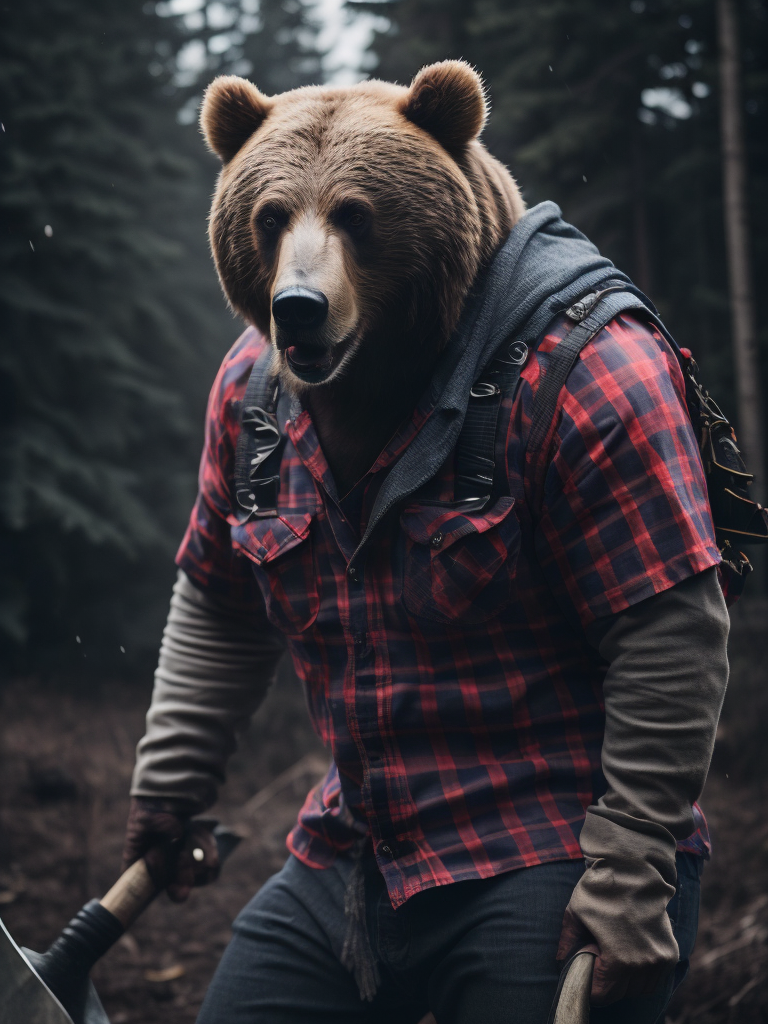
[544, 266]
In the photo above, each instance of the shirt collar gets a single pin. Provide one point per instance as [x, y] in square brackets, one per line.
[303, 435]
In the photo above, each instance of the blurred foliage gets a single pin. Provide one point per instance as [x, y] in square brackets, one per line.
[612, 111]
[741, 750]
[113, 322]
[273, 42]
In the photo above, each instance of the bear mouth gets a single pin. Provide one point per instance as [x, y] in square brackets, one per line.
[310, 363]
[314, 364]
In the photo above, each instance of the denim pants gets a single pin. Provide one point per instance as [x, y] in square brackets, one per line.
[471, 952]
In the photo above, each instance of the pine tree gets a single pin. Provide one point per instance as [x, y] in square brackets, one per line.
[274, 42]
[113, 320]
[103, 309]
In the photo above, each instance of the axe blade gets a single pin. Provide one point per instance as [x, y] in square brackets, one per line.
[24, 996]
[26, 999]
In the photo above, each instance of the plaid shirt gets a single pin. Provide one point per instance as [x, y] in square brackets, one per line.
[451, 675]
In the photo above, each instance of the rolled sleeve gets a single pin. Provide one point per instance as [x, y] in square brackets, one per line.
[625, 513]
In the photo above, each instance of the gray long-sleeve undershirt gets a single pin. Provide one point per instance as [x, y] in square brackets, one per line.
[667, 673]
[663, 691]
[216, 664]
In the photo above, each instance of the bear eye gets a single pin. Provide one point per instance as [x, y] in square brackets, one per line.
[270, 220]
[353, 218]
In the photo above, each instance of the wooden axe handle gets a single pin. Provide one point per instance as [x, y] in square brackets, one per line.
[571, 1004]
[134, 890]
[131, 894]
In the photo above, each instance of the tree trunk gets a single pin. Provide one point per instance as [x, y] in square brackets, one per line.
[640, 221]
[737, 244]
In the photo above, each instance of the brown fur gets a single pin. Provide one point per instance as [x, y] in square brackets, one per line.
[435, 206]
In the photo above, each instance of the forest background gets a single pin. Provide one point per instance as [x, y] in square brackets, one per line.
[113, 323]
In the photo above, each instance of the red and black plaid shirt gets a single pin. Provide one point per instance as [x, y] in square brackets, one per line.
[452, 678]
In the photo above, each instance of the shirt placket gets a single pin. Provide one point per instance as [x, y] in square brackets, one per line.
[368, 678]
[363, 676]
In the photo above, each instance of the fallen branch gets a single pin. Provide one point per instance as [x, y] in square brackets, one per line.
[310, 765]
[736, 999]
[757, 933]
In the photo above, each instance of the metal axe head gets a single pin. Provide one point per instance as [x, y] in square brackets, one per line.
[24, 996]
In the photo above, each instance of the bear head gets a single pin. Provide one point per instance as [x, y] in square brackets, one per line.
[355, 218]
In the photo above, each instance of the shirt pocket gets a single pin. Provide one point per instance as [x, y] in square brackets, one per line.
[281, 550]
[459, 567]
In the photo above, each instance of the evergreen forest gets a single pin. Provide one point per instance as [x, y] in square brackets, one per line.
[113, 320]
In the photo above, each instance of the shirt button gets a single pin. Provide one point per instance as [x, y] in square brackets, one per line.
[386, 850]
[352, 573]
[436, 539]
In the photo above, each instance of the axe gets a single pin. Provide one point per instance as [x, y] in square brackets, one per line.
[54, 987]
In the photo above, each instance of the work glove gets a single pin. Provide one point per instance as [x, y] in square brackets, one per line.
[619, 907]
[179, 853]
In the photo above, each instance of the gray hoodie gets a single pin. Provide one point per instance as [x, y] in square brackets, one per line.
[544, 266]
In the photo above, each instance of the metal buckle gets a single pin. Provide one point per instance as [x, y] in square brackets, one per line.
[579, 310]
[483, 390]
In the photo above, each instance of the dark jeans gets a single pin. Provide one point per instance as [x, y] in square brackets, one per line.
[472, 952]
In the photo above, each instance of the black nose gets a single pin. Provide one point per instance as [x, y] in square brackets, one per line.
[299, 309]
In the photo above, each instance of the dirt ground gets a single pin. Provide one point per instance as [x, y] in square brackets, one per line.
[66, 759]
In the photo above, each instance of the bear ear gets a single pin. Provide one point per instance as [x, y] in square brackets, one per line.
[448, 101]
[232, 111]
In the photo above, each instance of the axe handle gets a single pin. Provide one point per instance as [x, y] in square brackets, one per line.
[571, 1005]
[134, 890]
[131, 894]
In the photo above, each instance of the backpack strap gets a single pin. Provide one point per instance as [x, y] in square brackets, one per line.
[260, 444]
[592, 314]
[736, 517]
[476, 446]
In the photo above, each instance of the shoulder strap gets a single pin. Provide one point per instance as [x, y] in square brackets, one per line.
[737, 518]
[591, 314]
[475, 448]
[259, 444]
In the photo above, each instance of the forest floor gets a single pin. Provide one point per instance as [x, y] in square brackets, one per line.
[66, 759]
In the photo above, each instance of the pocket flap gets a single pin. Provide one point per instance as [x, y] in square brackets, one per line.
[264, 540]
[440, 526]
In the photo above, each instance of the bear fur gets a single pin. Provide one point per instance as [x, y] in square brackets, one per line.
[381, 200]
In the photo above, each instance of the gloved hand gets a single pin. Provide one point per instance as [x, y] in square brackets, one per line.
[620, 906]
[162, 833]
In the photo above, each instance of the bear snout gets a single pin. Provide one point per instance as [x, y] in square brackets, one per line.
[299, 309]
